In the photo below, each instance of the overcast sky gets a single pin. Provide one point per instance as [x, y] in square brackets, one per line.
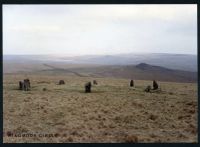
[99, 29]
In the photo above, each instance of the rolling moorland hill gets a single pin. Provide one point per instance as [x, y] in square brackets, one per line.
[185, 62]
[140, 71]
[173, 61]
[58, 66]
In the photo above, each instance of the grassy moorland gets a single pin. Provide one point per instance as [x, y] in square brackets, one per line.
[113, 112]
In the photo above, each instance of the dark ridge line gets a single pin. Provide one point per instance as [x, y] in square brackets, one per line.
[55, 68]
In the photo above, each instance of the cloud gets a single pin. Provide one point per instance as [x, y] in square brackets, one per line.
[27, 28]
[97, 29]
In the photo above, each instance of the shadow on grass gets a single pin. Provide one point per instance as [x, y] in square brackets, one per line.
[15, 88]
[83, 91]
[33, 88]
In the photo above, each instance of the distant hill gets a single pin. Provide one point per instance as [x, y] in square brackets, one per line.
[185, 62]
[173, 61]
[147, 67]
[141, 71]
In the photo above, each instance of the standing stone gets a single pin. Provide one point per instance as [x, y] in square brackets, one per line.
[131, 83]
[155, 85]
[88, 87]
[148, 88]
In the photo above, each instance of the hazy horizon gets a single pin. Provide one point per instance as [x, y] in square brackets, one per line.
[103, 54]
[77, 30]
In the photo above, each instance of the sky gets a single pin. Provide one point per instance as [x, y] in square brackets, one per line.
[99, 29]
